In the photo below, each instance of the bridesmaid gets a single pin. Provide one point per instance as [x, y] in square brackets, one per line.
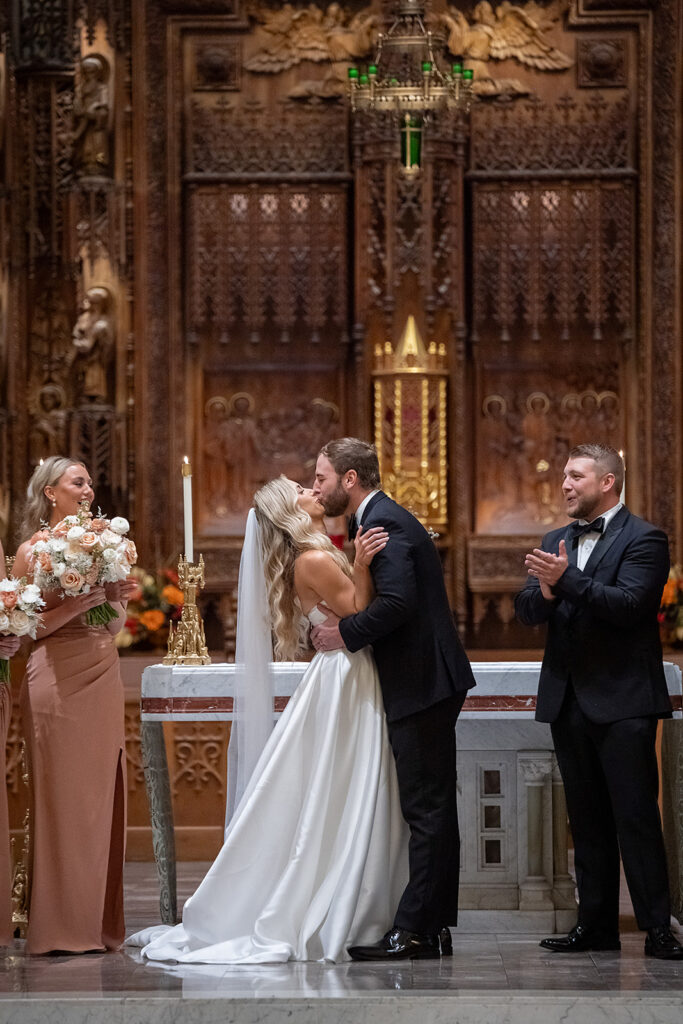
[9, 645]
[72, 709]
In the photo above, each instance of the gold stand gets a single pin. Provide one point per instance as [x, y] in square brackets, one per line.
[186, 641]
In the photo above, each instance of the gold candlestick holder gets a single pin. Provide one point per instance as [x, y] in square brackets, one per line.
[186, 641]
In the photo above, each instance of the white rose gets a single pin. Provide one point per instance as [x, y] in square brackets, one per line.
[19, 622]
[75, 533]
[71, 519]
[56, 544]
[4, 623]
[109, 539]
[40, 545]
[122, 568]
[58, 568]
[7, 584]
[119, 525]
[109, 554]
[31, 593]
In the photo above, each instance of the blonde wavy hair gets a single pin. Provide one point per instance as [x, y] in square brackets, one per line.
[37, 509]
[286, 531]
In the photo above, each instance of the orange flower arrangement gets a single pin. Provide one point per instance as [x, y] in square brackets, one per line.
[671, 609]
[157, 602]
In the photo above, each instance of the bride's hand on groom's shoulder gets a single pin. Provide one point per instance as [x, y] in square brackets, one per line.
[367, 543]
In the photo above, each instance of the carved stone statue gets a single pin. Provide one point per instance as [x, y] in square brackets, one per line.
[93, 337]
[92, 116]
[49, 422]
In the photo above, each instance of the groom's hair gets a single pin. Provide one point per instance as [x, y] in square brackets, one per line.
[347, 453]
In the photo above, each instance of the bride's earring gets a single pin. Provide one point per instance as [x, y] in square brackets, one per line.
[54, 503]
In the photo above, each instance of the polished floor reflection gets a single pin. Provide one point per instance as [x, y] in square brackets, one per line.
[494, 964]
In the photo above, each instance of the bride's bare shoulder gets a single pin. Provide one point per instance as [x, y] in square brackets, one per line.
[313, 562]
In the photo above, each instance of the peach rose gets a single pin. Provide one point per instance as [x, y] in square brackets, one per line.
[89, 541]
[98, 525]
[20, 624]
[40, 535]
[71, 580]
[131, 552]
[9, 599]
[61, 529]
[92, 574]
[44, 560]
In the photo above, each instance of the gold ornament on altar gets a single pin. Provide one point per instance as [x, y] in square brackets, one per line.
[186, 640]
[411, 424]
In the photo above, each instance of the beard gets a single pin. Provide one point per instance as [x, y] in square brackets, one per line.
[336, 503]
[584, 509]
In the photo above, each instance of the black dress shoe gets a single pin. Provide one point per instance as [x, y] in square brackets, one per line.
[663, 944]
[446, 942]
[581, 940]
[398, 944]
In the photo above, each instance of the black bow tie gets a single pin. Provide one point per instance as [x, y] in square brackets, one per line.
[580, 529]
[353, 527]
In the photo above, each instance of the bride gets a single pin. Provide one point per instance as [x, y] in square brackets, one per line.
[315, 852]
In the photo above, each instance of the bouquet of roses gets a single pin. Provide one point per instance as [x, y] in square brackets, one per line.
[20, 602]
[80, 552]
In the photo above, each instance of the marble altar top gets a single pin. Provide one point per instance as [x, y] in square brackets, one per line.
[505, 689]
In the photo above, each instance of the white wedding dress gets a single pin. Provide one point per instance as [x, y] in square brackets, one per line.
[315, 856]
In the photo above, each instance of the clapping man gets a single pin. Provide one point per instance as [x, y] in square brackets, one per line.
[597, 583]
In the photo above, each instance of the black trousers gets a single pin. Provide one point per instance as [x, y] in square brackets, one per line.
[611, 782]
[424, 749]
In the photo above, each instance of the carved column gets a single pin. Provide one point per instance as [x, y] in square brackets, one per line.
[564, 896]
[535, 842]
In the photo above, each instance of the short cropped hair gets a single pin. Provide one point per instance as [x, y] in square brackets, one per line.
[347, 453]
[608, 459]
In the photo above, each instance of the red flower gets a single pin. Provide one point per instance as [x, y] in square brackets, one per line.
[132, 625]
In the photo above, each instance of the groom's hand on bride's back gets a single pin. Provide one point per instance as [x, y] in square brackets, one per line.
[326, 636]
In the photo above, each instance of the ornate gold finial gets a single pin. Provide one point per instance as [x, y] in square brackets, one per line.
[186, 641]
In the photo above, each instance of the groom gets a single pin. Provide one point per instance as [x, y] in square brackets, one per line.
[424, 674]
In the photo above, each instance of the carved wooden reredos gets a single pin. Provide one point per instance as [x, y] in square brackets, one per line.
[202, 253]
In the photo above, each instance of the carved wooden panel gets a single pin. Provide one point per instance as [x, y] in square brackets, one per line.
[527, 422]
[267, 264]
[571, 134]
[256, 425]
[553, 257]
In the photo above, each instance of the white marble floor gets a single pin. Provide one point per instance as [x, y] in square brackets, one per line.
[489, 979]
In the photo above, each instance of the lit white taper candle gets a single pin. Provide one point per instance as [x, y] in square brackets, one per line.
[187, 509]
[622, 496]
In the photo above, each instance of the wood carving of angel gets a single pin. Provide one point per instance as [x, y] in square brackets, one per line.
[509, 32]
[289, 35]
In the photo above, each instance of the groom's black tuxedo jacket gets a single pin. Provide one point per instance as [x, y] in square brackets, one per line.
[409, 624]
[602, 626]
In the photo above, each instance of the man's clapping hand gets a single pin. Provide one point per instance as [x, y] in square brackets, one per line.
[547, 568]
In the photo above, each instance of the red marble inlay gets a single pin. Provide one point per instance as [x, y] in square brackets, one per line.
[199, 705]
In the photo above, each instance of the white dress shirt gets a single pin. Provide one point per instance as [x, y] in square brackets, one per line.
[361, 508]
[588, 541]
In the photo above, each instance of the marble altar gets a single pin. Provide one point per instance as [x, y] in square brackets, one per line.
[514, 860]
